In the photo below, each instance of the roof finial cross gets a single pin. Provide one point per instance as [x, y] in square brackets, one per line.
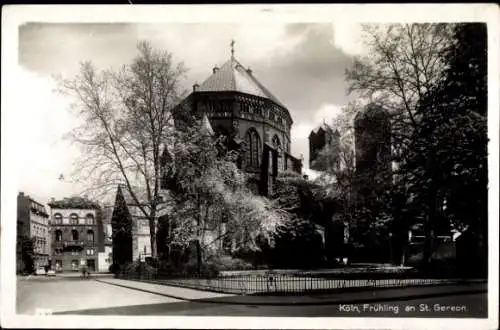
[232, 48]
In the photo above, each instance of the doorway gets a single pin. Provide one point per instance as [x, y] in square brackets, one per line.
[91, 264]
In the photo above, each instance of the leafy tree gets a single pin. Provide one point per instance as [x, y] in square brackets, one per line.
[210, 199]
[127, 117]
[298, 244]
[404, 64]
[448, 157]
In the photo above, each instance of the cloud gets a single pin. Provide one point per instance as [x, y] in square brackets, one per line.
[300, 132]
[302, 64]
[59, 47]
[42, 118]
[309, 73]
[202, 46]
[347, 36]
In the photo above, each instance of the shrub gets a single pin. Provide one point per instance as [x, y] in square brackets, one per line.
[138, 270]
[114, 269]
[229, 263]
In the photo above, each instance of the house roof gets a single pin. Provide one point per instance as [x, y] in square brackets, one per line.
[233, 77]
[74, 202]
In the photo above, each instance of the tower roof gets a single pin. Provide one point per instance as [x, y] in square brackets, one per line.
[371, 111]
[206, 128]
[233, 77]
[324, 127]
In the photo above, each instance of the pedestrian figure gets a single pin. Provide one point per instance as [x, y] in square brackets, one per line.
[271, 281]
[85, 272]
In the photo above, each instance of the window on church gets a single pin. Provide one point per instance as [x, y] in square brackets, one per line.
[252, 141]
[276, 142]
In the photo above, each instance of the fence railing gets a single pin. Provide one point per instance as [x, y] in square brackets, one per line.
[273, 283]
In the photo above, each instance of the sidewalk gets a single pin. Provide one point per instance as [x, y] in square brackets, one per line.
[79, 274]
[351, 297]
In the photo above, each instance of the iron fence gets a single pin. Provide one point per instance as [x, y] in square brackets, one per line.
[273, 283]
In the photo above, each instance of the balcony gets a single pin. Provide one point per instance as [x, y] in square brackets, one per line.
[63, 244]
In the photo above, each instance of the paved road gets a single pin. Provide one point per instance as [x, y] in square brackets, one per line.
[470, 305]
[65, 294]
[89, 297]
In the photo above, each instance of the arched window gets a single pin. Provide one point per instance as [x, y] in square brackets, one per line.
[89, 219]
[58, 235]
[73, 219]
[74, 234]
[58, 219]
[90, 235]
[276, 142]
[253, 146]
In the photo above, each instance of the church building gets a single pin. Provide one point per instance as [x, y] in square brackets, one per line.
[255, 122]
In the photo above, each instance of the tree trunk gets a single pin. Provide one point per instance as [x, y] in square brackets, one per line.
[152, 233]
[429, 235]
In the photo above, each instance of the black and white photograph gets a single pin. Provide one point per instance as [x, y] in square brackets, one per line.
[250, 166]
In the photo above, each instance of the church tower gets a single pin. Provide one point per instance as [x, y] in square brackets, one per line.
[373, 154]
[322, 138]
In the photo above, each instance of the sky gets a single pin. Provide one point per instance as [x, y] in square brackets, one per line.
[302, 64]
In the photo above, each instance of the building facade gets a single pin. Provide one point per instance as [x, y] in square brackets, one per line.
[130, 228]
[105, 257]
[33, 222]
[76, 234]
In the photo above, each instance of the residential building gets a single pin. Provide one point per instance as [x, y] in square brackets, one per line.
[77, 234]
[105, 258]
[32, 222]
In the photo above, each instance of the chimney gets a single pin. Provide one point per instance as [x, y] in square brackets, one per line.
[195, 87]
[215, 69]
[52, 199]
[249, 71]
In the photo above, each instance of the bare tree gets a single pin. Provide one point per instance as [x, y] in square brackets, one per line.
[127, 121]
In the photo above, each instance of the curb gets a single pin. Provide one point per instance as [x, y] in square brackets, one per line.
[312, 303]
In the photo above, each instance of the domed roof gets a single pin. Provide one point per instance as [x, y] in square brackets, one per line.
[233, 77]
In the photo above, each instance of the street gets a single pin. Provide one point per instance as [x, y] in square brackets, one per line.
[90, 297]
[67, 294]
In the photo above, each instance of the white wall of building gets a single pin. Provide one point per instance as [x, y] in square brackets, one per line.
[105, 259]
